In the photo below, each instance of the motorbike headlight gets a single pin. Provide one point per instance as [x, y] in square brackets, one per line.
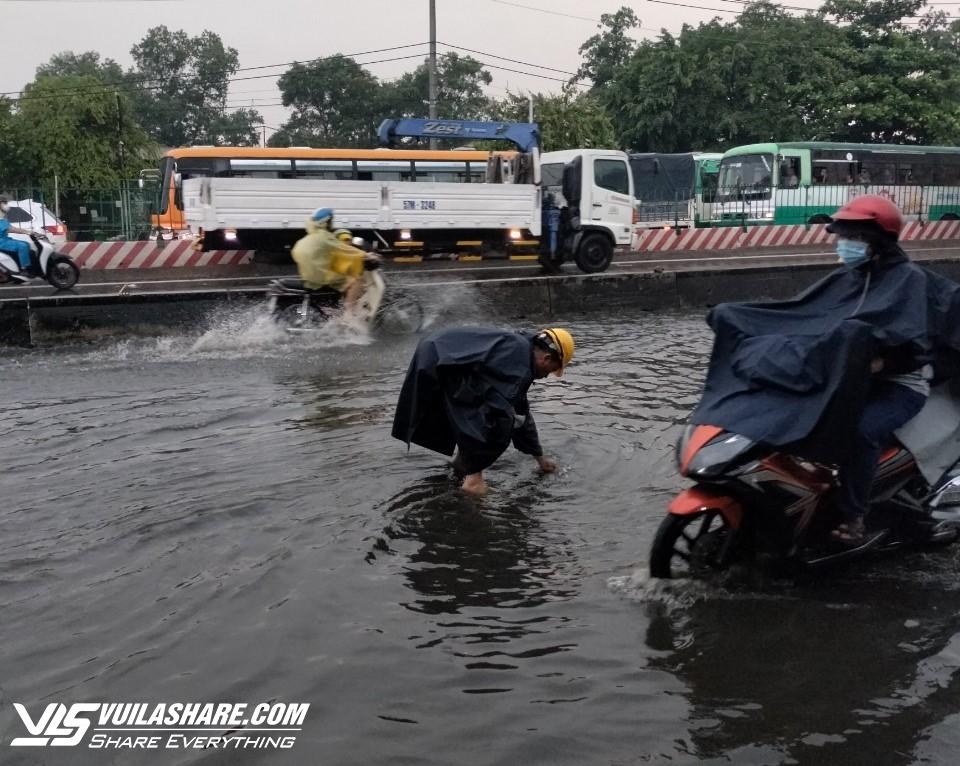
[717, 454]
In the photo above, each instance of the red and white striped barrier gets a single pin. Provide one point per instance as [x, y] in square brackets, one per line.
[180, 253]
[732, 237]
[149, 255]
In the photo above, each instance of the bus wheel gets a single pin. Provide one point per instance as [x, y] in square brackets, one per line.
[950, 217]
[594, 254]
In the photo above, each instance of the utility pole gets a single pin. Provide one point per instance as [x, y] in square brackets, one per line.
[432, 68]
[530, 110]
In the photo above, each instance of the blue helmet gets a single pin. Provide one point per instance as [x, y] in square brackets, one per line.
[322, 215]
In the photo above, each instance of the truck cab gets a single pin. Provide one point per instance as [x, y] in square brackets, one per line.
[593, 188]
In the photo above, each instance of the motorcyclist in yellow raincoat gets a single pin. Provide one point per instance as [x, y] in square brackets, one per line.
[324, 260]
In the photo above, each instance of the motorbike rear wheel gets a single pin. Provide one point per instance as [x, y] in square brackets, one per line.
[690, 546]
[62, 272]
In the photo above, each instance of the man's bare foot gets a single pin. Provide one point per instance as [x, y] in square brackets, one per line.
[474, 484]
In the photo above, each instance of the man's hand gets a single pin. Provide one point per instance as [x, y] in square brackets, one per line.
[876, 365]
[546, 464]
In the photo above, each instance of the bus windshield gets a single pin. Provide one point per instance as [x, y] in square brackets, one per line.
[747, 171]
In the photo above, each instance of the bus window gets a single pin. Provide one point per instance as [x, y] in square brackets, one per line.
[790, 172]
[877, 170]
[260, 168]
[432, 171]
[477, 172]
[330, 170]
[750, 171]
[708, 184]
[384, 170]
[946, 170]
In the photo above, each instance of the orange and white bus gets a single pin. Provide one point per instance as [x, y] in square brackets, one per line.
[178, 165]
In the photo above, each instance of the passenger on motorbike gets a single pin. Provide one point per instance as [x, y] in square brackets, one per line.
[12, 246]
[325, 259]
[867, 230]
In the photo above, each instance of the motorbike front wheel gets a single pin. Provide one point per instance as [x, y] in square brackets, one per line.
[694, 546]
[62, 272]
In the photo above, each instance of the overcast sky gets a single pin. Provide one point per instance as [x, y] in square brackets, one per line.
[270, 32]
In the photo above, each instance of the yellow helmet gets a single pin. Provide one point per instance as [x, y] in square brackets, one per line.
[344, 235]
[560, 342]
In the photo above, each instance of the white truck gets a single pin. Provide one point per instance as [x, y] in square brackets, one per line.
[577, 203]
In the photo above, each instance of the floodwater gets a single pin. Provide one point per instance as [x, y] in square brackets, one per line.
[224, 517]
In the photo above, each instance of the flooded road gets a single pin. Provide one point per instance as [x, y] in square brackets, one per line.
[225, 518]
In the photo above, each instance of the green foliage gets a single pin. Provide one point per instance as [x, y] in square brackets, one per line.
[339, 103]
[607, 51]
[73, 127]
[567, 120]
[460, 95]
[769, 75]
[87, 63]
[335, 103]
[181, 94]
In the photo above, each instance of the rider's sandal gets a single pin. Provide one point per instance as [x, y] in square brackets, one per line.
[852, 535]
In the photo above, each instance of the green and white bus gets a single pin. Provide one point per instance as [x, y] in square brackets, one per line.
[804, 182]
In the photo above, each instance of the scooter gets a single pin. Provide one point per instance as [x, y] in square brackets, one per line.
[754, 505]
[58, 269]
[302, 310]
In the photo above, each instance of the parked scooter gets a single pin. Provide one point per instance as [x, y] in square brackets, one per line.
[752, 504]
[45, 263]
[302, 310]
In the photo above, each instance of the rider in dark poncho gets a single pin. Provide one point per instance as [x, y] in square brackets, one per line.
[835, 371]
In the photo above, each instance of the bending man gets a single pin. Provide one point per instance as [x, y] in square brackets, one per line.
[467, 389]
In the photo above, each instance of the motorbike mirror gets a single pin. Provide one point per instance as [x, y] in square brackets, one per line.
[359, 242]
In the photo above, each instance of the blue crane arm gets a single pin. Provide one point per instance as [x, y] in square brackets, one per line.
[525, 135]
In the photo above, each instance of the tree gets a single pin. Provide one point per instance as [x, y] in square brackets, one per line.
[765, 76]
[73, 127]
[905, 83]
[182, 89]
[460, 94]
[567, 120]
[607, 51]
[87, 63]
[335, 103]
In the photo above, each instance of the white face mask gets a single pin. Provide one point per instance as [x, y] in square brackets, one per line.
[4, 207]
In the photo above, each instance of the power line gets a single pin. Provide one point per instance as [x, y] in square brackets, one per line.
[545, 10]
[504, 58]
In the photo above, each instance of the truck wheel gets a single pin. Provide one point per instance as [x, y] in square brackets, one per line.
[594, 254]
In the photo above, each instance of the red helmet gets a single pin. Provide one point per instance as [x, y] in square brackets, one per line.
[872, 208]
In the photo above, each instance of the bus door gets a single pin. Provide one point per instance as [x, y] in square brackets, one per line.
[792, 187]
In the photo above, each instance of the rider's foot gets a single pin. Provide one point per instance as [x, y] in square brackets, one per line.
[851, 534]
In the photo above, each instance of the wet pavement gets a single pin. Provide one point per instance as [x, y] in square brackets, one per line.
[222, 516]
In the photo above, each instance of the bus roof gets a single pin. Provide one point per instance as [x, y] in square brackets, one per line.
[773, 148]
[305, 153]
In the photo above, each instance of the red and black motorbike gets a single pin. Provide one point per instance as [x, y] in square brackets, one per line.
[752, 504]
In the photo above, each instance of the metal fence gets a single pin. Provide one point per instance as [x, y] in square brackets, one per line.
[121, 212]
[804, 204]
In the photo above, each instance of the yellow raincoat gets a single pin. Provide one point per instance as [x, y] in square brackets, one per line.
[325, 261]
